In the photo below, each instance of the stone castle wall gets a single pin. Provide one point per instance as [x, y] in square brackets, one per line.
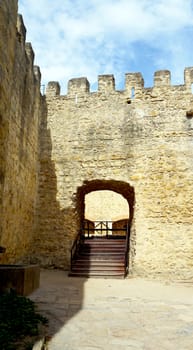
[20, 109]
[140, 137]
[55, 150]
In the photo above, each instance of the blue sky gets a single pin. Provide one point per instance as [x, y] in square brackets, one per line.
[75, 38]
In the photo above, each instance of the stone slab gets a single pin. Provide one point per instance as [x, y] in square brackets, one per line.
[24, 279]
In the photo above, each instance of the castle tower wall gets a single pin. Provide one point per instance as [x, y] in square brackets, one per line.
[54, 150]
[144, 141]
[20, 108]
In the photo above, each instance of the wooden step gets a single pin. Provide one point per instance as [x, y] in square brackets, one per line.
[101, 249]
[101, 262]
[103, 243]
[101, 252]
[97, 274]
[94, 265]
[105, 239]
[100, 257]
[99, 271]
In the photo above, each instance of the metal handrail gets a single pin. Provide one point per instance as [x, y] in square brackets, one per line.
[104, 227]
[79, 240]
[127, 247]
[101, 226]
[76, 246]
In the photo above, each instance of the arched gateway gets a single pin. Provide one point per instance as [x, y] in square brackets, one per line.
[102, 248]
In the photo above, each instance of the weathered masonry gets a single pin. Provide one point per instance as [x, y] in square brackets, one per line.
[20, 109]
[140, 137]
[56, 149]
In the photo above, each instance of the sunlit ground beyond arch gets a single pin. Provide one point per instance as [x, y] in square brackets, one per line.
[105, 205]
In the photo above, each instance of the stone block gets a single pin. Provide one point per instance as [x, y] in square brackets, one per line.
[24, 279]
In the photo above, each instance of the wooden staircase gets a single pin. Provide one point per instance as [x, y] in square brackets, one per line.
[100, 257]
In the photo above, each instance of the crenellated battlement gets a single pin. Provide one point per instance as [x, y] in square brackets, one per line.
[188, 77]
[80, 85]
[162, 78]
[134, 83]
[53, 88]
[21, 29]
[106, 83]
[21, 35]
[30, 53]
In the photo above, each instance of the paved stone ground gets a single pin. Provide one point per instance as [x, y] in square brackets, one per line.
[97, 314]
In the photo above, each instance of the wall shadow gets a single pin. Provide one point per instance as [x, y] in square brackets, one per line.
[59, 297]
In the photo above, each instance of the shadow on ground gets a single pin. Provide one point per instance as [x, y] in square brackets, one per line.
[59, 298]
[111, 314]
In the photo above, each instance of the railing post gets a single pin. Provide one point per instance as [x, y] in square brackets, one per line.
[127, 246]
[75, 246]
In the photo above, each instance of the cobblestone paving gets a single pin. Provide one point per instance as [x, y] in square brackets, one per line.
[133, 314]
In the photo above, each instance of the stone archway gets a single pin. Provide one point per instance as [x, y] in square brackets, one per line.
[120, 187]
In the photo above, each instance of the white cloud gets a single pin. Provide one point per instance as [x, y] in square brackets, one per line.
[87, 38]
